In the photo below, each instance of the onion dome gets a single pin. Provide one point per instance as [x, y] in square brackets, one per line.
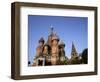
[41, 40]
[46, 44]
[55, 37]
[61, 44]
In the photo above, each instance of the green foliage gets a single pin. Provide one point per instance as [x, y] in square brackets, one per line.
[75, 61]
[85, 56]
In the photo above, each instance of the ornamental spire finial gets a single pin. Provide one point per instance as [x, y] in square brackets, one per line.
[52, 29]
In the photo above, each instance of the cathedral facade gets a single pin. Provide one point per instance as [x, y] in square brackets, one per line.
[52, 51]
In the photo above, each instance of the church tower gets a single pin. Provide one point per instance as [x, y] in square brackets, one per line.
[49, 41]
[74, 53]
[53, 41]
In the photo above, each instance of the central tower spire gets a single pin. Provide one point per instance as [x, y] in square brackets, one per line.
[51, 30]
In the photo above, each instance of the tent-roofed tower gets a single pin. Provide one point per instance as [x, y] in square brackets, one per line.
[73, 51]
[49, 41]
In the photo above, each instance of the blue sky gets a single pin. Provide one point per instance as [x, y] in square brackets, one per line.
[69, 29]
